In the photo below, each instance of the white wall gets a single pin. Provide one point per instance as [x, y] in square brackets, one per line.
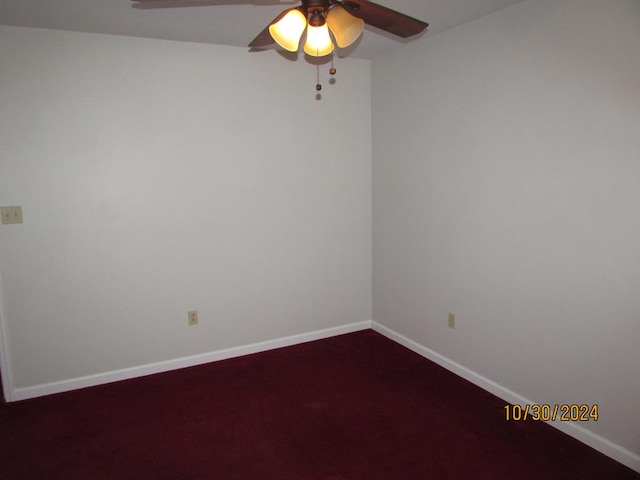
[507, 190]
[159, 177]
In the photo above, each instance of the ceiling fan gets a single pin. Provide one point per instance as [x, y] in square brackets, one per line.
[343, 20]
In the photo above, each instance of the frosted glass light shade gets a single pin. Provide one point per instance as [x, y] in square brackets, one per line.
[288, 30]
[318, 42]
[345, 27]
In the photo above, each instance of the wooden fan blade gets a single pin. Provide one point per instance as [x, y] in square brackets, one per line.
[264, 39]
[384, 18]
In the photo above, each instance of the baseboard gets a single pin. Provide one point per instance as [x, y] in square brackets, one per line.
[595, 441]
[175, 364]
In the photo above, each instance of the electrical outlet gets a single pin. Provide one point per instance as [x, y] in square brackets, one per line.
[193, 317]
[452, 320]
[11, 214]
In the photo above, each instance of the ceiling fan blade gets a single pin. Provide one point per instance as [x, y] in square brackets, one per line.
[384, 18]
[264, 39]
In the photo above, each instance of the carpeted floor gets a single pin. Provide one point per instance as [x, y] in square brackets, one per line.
[353, 407]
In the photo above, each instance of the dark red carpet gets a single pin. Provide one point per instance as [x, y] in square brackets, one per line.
[353, 407]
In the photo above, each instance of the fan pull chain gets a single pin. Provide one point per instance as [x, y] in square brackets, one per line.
[332, 71]
[318, 86]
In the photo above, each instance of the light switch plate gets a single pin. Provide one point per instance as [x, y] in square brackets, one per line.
[11, 214]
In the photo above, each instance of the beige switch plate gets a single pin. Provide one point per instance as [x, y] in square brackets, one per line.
[452, 321]
[192, 316]
[11, 214]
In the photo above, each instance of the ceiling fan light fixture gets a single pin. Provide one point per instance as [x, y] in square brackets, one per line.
[287, 31]
[318, 42]
[345, 27]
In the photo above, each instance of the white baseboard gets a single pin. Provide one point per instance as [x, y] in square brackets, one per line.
[168, 365]
[603, 445]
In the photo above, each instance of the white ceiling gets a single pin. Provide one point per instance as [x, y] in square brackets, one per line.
[233, 22]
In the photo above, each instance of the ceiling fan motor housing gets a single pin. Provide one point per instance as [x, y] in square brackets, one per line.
[317, 9]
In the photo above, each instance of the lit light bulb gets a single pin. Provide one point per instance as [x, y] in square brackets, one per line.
[288, 30]
[318, 42]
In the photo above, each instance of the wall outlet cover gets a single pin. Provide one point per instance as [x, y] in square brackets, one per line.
[11, 214]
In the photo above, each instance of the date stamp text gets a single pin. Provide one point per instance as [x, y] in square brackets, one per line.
[565, 412]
